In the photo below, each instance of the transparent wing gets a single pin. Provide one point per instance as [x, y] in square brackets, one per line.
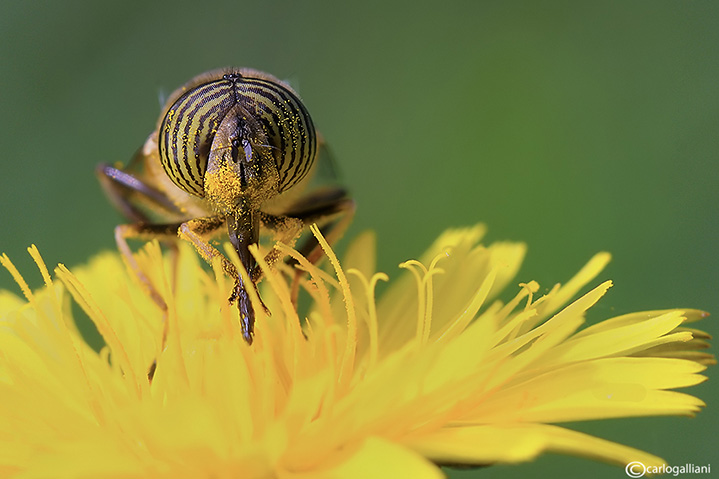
[326, 171]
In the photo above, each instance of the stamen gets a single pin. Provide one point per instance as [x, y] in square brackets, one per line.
[35, 254]
[531, 288]
[425, 293]
[372, 323]
[84, 299]
[348, 357]
[220, 287]
[279, 287]
[318, 278]
[26, 291]
[154, 256]
[414, 266]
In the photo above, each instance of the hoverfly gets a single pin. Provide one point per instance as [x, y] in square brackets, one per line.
[233, 148]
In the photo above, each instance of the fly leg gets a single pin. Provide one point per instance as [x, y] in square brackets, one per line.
[129, 195]
[146, 231]
[286, 230]
[332, 209]
[143, 231]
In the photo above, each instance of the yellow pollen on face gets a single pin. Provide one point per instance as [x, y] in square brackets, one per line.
[222, 187]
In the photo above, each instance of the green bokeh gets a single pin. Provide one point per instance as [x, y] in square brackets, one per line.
[573, 126]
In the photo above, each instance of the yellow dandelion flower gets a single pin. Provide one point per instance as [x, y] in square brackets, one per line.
[437, 371]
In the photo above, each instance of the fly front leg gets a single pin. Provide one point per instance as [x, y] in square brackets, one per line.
[286, 230]
[332, 209]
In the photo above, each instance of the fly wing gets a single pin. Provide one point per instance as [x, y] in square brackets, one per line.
[326, 171]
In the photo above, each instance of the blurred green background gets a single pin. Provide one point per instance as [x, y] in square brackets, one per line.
[573, 126]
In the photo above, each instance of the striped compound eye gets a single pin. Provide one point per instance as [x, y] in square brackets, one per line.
[273, 118]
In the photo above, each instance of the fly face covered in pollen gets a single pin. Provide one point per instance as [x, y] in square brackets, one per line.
[233, 147]
[245, 121]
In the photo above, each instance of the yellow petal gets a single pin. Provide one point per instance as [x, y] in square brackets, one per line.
[511, 443]
[378, 457]
[564, 293]
[624, 340]
[611, 387]
[9, 302]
